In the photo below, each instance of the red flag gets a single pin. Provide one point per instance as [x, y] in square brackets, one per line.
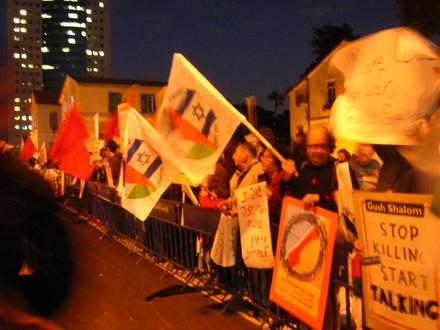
[112, 128]
[69, 148]
[28, 149]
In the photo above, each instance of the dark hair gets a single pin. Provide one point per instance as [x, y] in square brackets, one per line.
[112, 146]
[345, 152]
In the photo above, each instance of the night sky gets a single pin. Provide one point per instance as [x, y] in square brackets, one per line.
[243, 47]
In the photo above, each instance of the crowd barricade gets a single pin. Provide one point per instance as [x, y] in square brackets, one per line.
[182, 235]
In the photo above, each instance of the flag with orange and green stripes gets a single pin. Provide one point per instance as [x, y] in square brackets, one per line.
[148, 169]
[195, 120]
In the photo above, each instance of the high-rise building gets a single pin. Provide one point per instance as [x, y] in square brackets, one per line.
[42, 41]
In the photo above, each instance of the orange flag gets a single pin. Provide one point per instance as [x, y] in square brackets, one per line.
[69, 148]
[28, 149]
[112, 128]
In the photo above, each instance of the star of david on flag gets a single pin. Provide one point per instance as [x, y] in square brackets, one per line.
[148, 170]
[195, 120]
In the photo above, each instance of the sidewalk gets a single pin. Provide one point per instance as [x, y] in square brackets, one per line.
[112, 291]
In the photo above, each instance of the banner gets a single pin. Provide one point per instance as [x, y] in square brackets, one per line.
[148, 170]
[224, 247]
[303, 261]
[195, 120]
[391, 79]
[400, 242]
[253, 218]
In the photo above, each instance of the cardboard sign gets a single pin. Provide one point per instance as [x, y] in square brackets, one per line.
[402, 291]
[303, 261]
[253, 218]
[391, 79]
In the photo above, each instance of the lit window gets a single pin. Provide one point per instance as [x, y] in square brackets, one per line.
[16, 55]
[16, 20]
[17, 108]
[47, 67]
[46, 15]
[31, 66]
[72, 15]
[23, 118]
[29, 99]
[83, 33]
[79, 8]
[65, 49]
[16, 38]
[23, 21]
[17, 118]
[71, 41]
[17, 100]
[95, 69]
[16, 29]
[70, 33]
[89, 69]
[29, 117]
[23, 127]
[88, 11]
[88, 19]
[101, 53]
[17, 127]
[23, 56]
[101, 4]
[23, 12]
[23, 29]
[73, 24]
[23, 65]
[30, 127]
[88, 52]
[44, 50]
[95, 53]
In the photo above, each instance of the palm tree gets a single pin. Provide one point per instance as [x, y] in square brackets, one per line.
[277, 98]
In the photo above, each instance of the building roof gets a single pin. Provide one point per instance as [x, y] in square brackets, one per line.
[43, 97]
[317, 66]
[112, 81]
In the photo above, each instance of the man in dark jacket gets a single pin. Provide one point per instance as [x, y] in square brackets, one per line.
[315, 181]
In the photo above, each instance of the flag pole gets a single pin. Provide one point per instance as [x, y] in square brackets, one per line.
[263, 140]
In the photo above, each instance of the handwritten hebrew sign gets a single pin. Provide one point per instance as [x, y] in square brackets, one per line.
[402, 291]
[391, 79]
[253, 218]
[225, 241]
[303, 261]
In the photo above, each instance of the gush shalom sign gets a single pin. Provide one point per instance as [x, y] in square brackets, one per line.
[402, 290]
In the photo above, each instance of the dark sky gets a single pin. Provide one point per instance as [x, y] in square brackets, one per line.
[243, 47]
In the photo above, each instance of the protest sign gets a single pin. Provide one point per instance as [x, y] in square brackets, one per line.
[391, 80]
[224, 247]
[253, 218]
[401, 292]
[303, 261]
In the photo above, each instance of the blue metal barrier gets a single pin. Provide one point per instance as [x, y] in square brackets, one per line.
[165, 236]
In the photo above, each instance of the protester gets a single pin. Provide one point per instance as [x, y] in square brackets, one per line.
[272, 176]
[343, 155]
[114, 159]
[365, 169]
[299, 150]
[34, 245]
[215, 190]
[315, 182]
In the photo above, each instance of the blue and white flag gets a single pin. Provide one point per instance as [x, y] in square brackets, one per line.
[148, 170]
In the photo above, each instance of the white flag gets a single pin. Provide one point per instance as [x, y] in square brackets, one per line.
[195, 120]
[148, 170]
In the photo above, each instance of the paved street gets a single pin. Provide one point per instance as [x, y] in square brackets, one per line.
[111, 291]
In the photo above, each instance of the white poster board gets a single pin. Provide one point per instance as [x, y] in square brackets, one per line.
[401, 289]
